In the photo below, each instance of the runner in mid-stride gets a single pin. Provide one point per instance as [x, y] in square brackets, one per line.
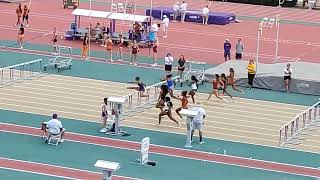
[141, 87]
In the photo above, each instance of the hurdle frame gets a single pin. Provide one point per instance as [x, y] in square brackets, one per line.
[22, 72]
[290, 130]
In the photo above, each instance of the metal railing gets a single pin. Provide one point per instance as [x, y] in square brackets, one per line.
[23, 71]
[301, 122]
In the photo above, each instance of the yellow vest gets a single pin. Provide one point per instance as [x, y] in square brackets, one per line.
[251, 68]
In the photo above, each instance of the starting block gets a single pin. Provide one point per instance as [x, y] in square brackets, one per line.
[107, 168]
[190, 115]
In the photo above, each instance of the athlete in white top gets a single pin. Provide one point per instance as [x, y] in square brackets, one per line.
[183, 10]
[165, 24]
[287, 77]
[197, 122]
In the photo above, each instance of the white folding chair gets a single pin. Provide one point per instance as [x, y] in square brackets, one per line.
[121, 8]
[114, 8]
[53, 139]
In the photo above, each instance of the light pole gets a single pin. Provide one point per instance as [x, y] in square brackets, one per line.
[277, 38]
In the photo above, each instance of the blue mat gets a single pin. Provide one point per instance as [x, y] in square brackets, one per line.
[194, 16]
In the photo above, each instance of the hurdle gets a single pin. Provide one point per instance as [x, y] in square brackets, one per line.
[19, 72]
[302, 121]
[190, 114]
[60, 60]
[198, 72]
[107, 168]
[135, 103]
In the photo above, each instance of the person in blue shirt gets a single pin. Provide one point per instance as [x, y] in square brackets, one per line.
[171, 85]
[227, 49]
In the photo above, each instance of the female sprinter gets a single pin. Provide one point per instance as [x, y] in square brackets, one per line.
[215, 85]
[232, 81]
[164, 91]
[224, 85]
[194, 88]
[167, 107]
[141, 87]
[184, 102]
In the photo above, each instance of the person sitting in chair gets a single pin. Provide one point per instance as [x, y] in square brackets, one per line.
[54, 127]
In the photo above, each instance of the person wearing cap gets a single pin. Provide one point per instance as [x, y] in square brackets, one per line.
[183, 10]
[175, 11]
[165, 24]
[55, 127]
[227, 49]
[197, 122]
[168, 60]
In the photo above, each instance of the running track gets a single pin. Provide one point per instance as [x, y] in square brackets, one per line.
[169, 151]
[50, 170]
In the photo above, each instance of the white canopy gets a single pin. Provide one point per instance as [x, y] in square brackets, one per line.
[110, 15]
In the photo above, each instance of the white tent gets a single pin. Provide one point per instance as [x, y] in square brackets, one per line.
[110, 15]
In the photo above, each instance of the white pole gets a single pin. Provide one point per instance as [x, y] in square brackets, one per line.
[258, 45]
[90, 6]
[277, 38]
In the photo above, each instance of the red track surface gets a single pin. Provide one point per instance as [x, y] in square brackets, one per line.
[51, 170]
[168, 151]
[193, 40]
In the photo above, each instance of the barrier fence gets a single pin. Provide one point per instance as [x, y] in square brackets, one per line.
[22, 71]
[135, 103]
[299, 123]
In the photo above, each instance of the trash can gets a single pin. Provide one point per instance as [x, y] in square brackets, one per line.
[70, 3]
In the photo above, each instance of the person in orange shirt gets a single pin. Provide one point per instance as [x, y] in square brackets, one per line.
[251, 73]
[85, 46]
[109, 48]
[184, 102]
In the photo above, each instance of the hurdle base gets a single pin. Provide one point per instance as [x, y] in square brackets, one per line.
[149, 163]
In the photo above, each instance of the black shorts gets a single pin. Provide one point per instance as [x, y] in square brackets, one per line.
[26, 17]
[181, 69]
[238, 56]
[226, 54]
[287, 77]
[167, 67]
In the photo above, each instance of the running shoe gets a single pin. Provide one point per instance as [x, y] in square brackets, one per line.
[103, 130]
[201, 142]
[61, 141]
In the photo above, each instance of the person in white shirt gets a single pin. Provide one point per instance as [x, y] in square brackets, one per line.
[183, 10]
[165, 24]
[287, 77]
[205, 15]
[55, 127]
[168, 60]
[239, 49]
[175, 11]
[197, 122]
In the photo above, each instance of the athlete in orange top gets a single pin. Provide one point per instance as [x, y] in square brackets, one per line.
[216, 84]
[184, 102]
[109, 47]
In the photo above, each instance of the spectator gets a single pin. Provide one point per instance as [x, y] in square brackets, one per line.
[175, 11]
[165, 23]
[239, 49]
[19, 13]
[25, 16]
[198, 122]
[21, 36]
[134, 52]
[85, 46]
[205, 15]
[168, 60]
[183, 10]
[55, 127]
[287, 77]
[104, 115]
[109, 48]
[120, 47]
[227, 49]
[251, 73]
[181, 68]
[155, 52]
[54, 41]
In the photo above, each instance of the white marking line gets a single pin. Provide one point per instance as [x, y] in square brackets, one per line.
[56, 166]
[187, 150]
